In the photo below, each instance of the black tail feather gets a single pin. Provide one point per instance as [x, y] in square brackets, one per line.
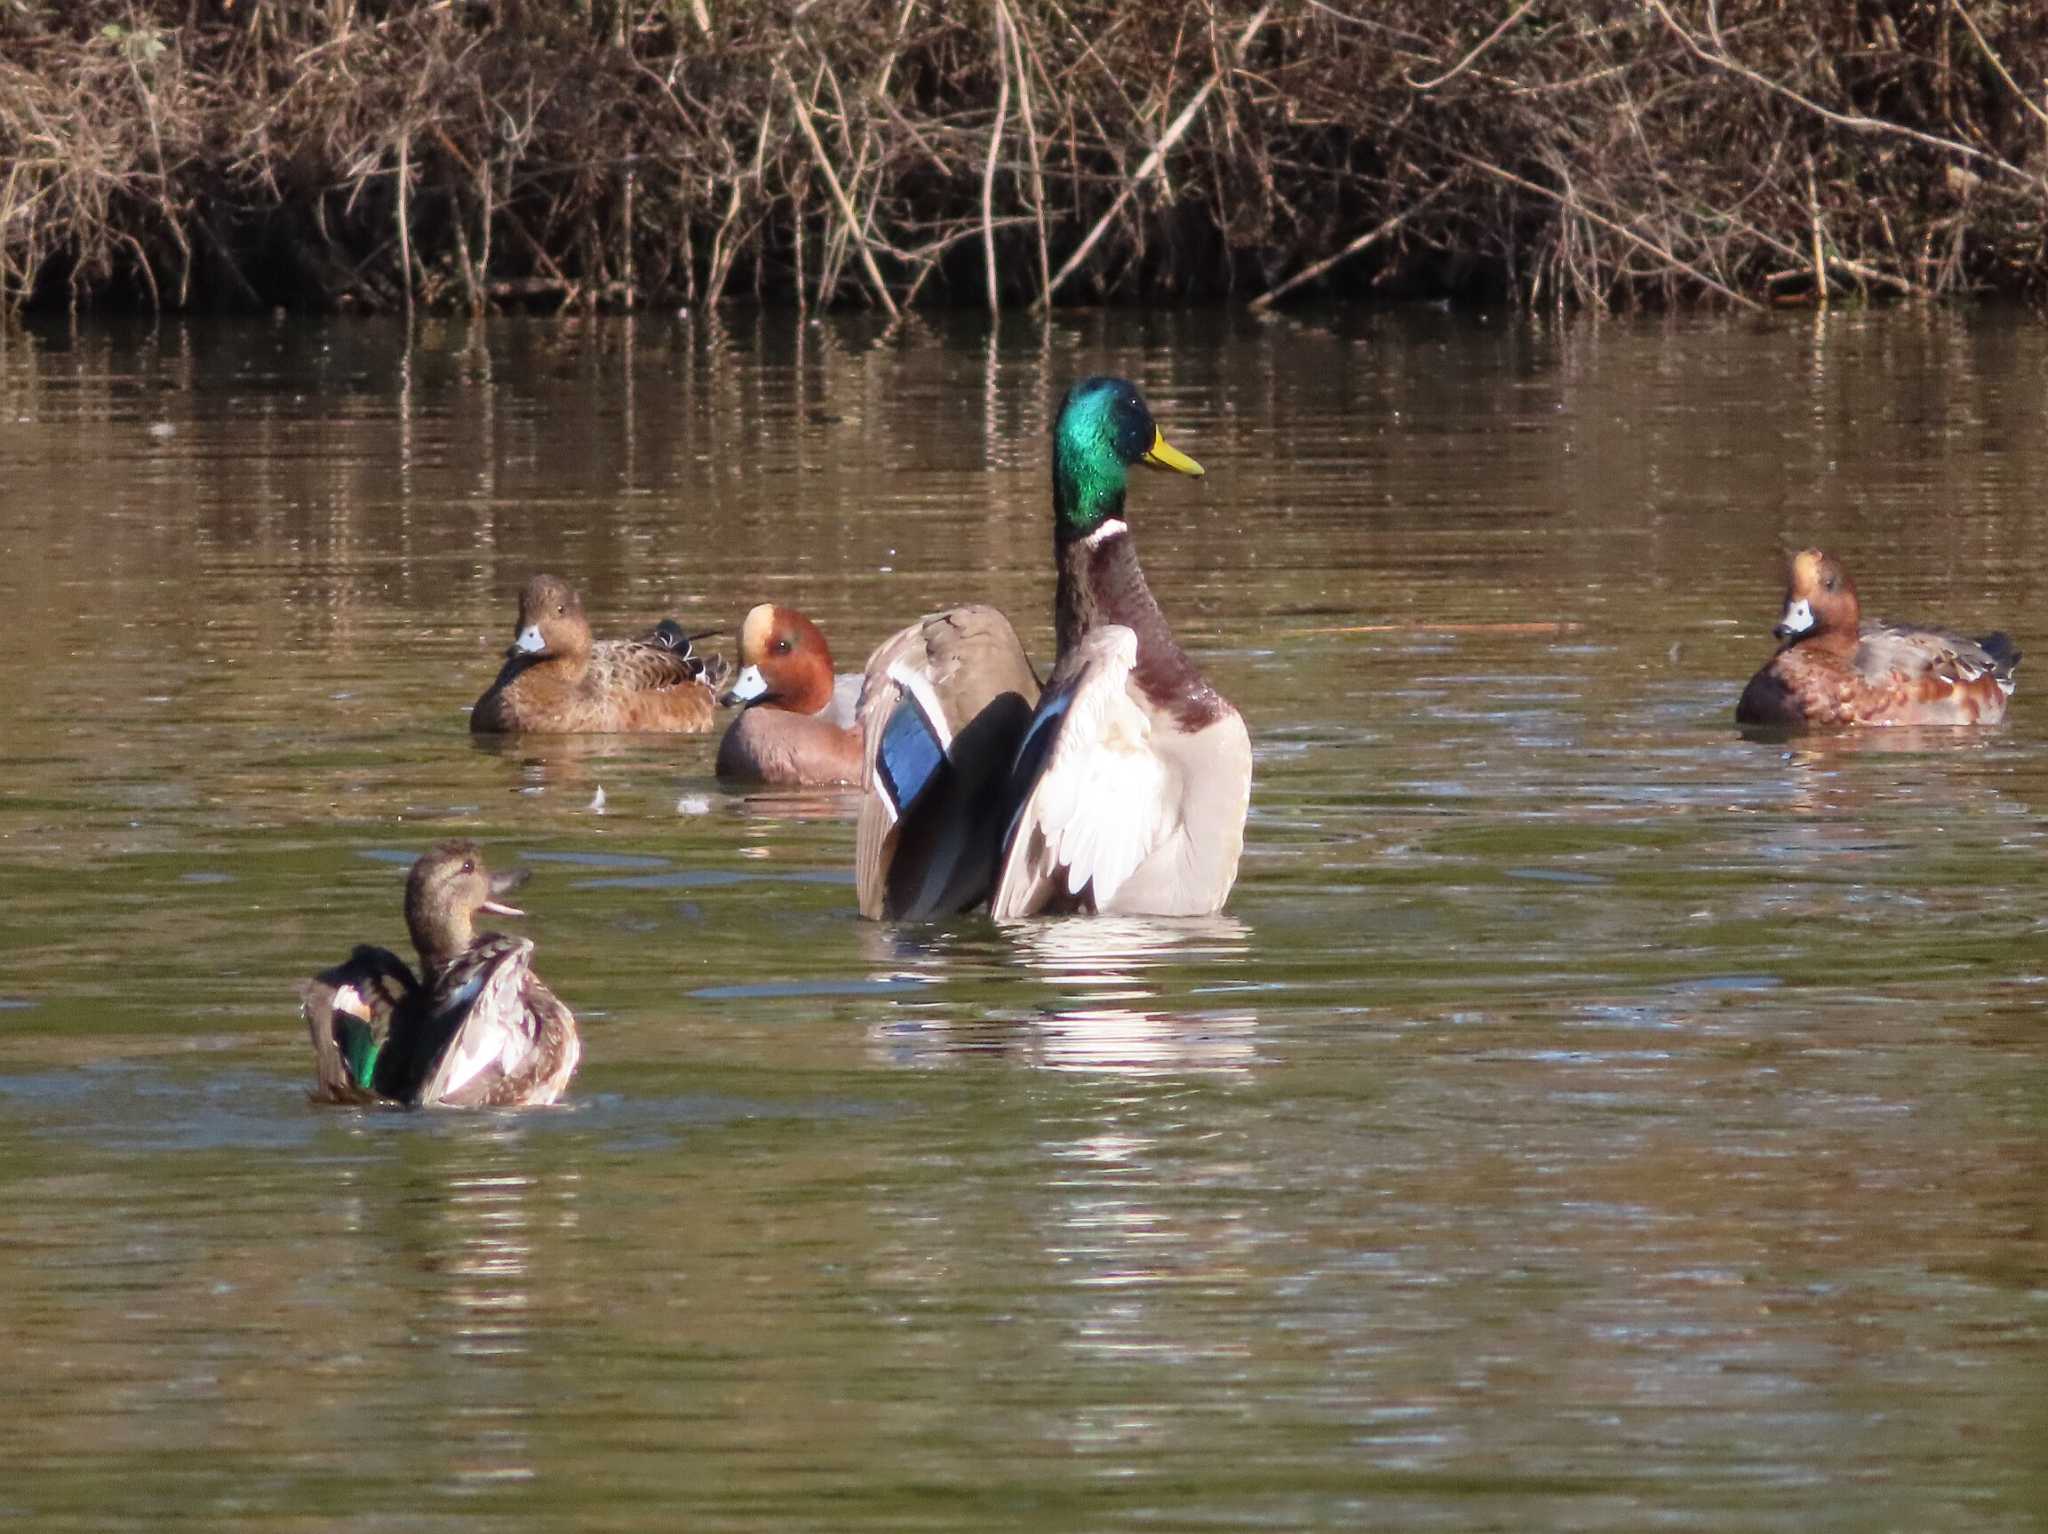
[2005, 655]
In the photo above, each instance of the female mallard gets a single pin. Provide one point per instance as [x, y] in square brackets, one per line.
[1836, 667]
[557, 681]
[478, 1030]
[1124, 787]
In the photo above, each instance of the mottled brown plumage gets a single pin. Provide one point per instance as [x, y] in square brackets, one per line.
[1836, 668]
[477, 1028]
[557, 680]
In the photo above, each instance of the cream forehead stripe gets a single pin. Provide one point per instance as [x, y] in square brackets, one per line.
[1806, 568]
[756, 631]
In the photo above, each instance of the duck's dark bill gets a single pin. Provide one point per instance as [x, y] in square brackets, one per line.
[1164, 455]
[505, 884]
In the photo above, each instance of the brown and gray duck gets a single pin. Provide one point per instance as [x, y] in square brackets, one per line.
[475, 1028]
[557, 680]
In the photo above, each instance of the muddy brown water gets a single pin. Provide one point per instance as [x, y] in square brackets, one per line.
[1582, 1117]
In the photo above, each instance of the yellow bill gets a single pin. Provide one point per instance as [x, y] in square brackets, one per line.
[1164, 455]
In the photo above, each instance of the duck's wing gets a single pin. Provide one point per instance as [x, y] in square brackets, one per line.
[708, 667]
[943, 706]
[641, 665]
[548, 1065]
[474, 1033]
[1094, 798]
[1886, 649]
[714, 670]
[348, 1011]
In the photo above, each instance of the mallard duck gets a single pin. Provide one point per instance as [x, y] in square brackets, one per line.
[1122, 787]
[558, 681]
[476, 1028]
[1836, 667]
[797, 723]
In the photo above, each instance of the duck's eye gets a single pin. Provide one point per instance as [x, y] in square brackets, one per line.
[561, 612]
[468, 867]
[782, 647]
[1829, 583]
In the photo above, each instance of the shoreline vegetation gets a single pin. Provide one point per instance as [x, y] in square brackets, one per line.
[486, 155]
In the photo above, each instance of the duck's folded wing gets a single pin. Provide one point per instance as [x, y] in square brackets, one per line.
[633, 665]
[348, 1012]
[943, 706]
[710, 667]
[481, 1031]
[1905, 650]
[1093, 797]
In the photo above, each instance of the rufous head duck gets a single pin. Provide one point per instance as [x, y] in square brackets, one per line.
[1820, 602]
[785, 662]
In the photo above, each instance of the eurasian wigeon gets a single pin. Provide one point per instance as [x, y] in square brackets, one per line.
[556, 680]
[1835, 667]
[796, 724]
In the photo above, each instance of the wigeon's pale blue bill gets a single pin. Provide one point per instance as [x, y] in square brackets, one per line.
[1798, 619]
[746, 687]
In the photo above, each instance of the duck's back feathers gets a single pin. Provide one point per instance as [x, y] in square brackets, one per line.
[943, 708]
[712, 670]
[1885, 648]
[642, 686]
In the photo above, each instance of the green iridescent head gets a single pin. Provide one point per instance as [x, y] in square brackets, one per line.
[1103, 427]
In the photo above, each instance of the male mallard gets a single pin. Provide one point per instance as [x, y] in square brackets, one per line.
[558, 681]
[797, 722]
[1836, 667]
[481, 1031]
[1123, 788]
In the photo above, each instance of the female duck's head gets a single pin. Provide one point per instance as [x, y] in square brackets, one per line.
[444, 893]
[1103, 427]
[551, 623]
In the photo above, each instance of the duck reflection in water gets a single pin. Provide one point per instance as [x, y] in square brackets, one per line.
[1119, 985]
[473, 1210]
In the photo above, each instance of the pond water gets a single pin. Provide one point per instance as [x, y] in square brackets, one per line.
[1583, 1117]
